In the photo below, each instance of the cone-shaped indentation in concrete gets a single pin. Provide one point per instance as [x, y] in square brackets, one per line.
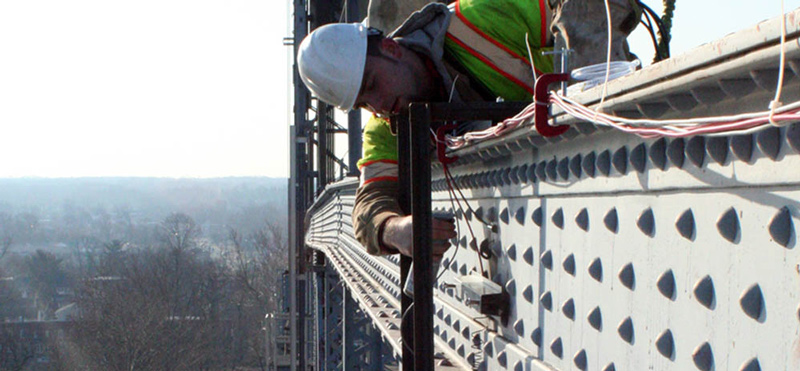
[696, 150]
[536, 217]
[536, 336]
[582, 219]
[718, 149]
[737, 87]
[769, 142]
[647, 223]
[686, 225]
[504, 217]
[675, 152]
[547, 259]
[558, 218]
[511, 287]
[639, 158]
[488, 348]
[742, 147]
[604, 162]
[479, 212]
[627, 276]
[704, 292]
[547, 301]
[528, 256]
[620, 160]
[575, 166]
[563, 168]
[666, 284]
[728, 225]
[514, 175]
[666, 344]
[530, 173]
[658, 153]
[520, 215]
[703, 357]
[596, 270]
[752, 302]
[610, 367]
[588, 164]
[625, 330]
[551, 170]
[541, 172]
[580, 360]
[511, 252]
[751, 365]
[522, 173]
[528, 294]
[611, 220]
[568, 308]
[519, 327]
[491, 215]
[595, 319]
[557, 348]
[781, 227]
[793, 135]
[569, 264]
[502, 359]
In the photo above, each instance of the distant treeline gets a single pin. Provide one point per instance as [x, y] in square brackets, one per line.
[37, 211]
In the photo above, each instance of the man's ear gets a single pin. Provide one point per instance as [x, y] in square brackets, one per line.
[390, 48]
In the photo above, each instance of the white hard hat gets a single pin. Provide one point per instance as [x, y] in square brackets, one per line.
[331, 62]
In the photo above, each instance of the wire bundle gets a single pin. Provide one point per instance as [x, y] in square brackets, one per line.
[777, 114]
[500, 129]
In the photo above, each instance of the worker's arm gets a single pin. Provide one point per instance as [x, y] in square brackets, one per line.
[376, 202]
[376, 198]
[378, 221]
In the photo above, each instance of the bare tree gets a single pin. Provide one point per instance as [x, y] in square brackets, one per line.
[5, 245]
[179, 231]
[256, 263]
[6, 239]
[141, 320]
[46, 274]
[16, 351]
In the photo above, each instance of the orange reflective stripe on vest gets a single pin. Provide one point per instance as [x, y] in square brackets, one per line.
[514, 67]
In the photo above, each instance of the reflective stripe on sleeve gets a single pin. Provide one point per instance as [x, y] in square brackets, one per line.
[379, 170]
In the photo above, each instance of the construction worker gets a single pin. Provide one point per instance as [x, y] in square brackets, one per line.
[471, 50]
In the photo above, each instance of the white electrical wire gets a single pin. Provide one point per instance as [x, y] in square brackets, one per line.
[608, 58]
[775, 103]
[530, 58]
[777, 114]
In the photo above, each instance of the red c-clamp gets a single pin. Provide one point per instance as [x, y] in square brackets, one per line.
[542, 98]
[441, 144]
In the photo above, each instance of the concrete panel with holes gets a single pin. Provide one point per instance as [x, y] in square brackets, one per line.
[618, 252]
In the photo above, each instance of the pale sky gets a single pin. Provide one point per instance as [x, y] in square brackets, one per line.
[187, 88]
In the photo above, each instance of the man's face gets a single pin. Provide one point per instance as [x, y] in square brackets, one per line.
[393, 80]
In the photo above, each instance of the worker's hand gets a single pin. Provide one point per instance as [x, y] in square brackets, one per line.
[398, 233]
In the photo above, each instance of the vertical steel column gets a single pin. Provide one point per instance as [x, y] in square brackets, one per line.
[404, 199]
[419, 121]
[376, 348]
[297, 186]
[350, 331]
[353, 142]
[333, 316]
[320, 309]
[322, 145]
[354, 117]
